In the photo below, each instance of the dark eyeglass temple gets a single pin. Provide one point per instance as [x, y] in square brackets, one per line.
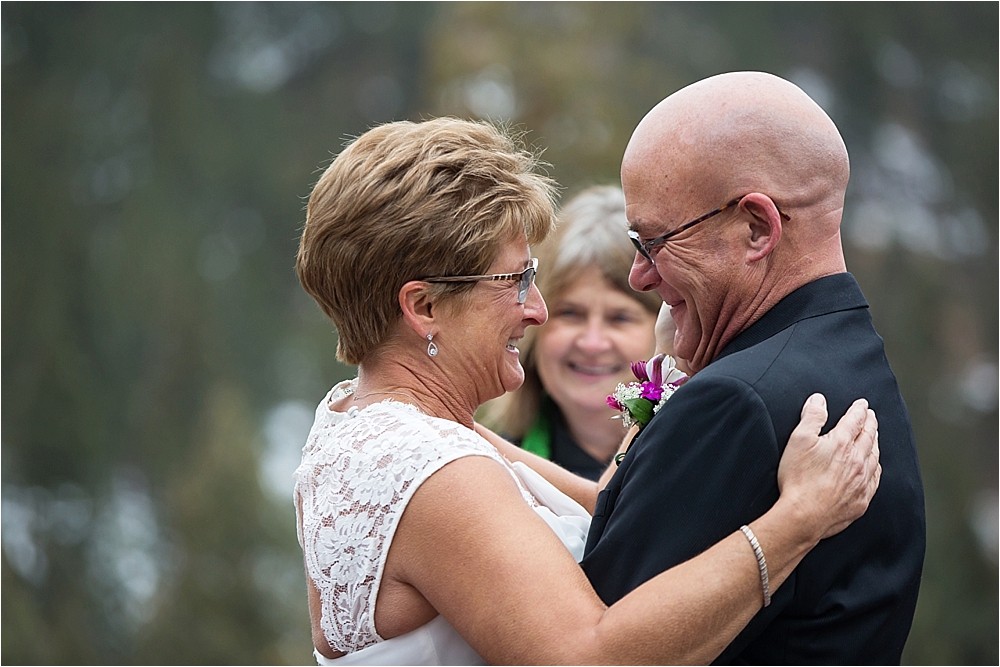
[643, 248]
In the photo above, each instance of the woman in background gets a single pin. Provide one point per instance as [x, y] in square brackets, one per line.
[597, 326]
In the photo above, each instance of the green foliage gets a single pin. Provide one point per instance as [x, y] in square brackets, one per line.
[641, 409]
[155, 166]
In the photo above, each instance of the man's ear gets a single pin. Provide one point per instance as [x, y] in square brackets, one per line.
[418, 307]
[764, 227]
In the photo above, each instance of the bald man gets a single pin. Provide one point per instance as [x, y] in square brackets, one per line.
[734, 190]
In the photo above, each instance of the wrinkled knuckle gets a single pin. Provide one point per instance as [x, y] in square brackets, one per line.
[844, 440]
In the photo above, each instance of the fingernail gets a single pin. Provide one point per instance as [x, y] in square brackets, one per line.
[817, 400]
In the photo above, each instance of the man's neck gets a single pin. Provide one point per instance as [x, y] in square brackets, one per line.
[742, 311]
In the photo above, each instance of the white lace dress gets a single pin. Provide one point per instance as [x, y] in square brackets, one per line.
[359, 470]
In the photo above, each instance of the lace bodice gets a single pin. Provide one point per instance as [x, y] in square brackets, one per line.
[359, 470]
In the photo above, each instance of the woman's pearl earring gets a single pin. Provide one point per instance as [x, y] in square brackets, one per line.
[432, 348]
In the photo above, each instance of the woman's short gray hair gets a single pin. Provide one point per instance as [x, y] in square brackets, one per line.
[591, 231]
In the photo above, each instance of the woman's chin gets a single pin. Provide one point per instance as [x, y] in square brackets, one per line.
[513, 379]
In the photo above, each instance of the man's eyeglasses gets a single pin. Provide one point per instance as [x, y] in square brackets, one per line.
[524, 278]
[645, 248]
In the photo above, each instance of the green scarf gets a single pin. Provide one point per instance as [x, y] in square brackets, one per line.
[538, 438]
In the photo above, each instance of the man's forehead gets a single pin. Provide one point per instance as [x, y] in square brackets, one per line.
[641, 216]
[649, 203]
[655, 170]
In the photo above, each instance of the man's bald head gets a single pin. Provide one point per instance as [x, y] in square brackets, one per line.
[744, 132]
[746, 135]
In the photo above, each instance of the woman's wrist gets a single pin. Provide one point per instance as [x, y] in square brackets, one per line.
[796, 527]
[800, 520]
[785, 534]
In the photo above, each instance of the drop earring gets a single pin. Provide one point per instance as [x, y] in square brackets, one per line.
[432, 348]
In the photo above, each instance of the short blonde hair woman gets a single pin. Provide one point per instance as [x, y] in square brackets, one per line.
[425, 542]
[411, 200]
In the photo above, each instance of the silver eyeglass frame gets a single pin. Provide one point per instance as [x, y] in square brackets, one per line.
[525, 278]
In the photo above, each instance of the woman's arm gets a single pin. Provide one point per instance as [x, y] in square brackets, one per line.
[609, 472]
[579, 489]
[483, 559]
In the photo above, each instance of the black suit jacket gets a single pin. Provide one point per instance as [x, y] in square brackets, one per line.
[707, 463]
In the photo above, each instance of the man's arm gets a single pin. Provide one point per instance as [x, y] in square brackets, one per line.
[704, 466]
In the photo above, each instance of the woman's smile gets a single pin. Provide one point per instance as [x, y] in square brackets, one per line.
[487, 333]
[594, 370]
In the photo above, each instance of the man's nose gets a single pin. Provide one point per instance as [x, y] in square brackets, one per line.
[535, 310]
[643, 276]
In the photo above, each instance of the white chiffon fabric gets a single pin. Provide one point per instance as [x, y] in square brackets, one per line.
[359, 470]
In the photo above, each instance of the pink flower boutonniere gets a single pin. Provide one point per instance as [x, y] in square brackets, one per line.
[658, 379]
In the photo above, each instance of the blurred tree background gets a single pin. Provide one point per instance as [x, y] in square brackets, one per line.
[161, 364]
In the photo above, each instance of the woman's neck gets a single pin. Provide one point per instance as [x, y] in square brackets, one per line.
[594, 431]
[391, 376]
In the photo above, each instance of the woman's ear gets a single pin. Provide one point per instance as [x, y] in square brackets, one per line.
[418, 307]
[765, 225]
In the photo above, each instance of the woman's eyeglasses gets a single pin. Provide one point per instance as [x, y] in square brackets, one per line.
[524, 278]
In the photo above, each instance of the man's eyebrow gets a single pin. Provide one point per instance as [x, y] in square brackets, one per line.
[636, 225]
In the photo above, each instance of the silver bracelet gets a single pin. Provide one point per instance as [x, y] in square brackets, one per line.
[761, 563]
